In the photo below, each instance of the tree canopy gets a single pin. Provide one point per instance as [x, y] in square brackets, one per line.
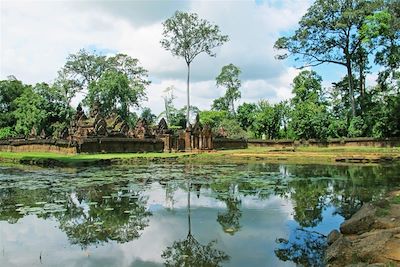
[186, 35]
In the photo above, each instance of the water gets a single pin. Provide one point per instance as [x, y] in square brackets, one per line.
[144, 215]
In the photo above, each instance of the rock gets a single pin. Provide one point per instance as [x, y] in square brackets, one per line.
[337, 251]
[333, 236]
[362, 221]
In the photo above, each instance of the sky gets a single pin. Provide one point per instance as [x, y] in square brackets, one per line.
[37, 36]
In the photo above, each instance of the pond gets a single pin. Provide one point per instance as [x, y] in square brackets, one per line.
[180, 214]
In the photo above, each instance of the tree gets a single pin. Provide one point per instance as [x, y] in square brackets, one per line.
[330, 33]
[84, 70]
[168, 102]
[381, 32]
[245, 114]
[220, 104]
[212, 118]
[266, 120]
[186, 35]
[10, 90]
[115, 93]
[229, 78]
[80, 70]
[41, 107]
[148, 116]
[29, 112]
[309, 117]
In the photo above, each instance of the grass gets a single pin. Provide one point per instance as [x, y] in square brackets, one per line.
[74, 159]
[396, 200]
[298, 155]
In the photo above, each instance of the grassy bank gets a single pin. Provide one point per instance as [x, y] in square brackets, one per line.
[298, 155]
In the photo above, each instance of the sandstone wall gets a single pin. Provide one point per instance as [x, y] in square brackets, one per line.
[40, 145]
[225, 143]
[347, 142]
[120, 145]
[89, 145]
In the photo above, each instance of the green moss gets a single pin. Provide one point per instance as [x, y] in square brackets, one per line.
[382, 212]
[396, 200]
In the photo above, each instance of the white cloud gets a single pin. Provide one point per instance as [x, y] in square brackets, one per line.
[36, 37]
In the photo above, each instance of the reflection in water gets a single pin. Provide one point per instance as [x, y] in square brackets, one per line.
[190, 252]
[229, 220]
[104, 216]
[304, 247]
[95, 207]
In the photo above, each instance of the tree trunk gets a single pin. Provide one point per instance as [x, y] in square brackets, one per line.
[188, 98]
[188, 209]
[233, 107]
[351, 86]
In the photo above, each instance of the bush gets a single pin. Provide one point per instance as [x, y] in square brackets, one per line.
[357, 127]
[7, 132]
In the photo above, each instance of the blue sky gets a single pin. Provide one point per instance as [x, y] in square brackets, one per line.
[37, 36]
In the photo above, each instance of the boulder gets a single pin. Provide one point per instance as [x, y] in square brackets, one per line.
[362, 221]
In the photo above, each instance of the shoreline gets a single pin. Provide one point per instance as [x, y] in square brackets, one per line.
[303, 155]
[371, 237]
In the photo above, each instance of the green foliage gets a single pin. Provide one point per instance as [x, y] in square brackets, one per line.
[245, 114]
[233, 129]
[329, 33]
[309, 116]
[213, 118]
[307, 88]
[267, 120]
[220, 104]
[310, 121]
[186, 35]
[40, 107]
[30, 112]
[381, 32]
[221, 119]
[356, 127]
[148, 116]
[10, 90]
[114, 92]
[117, 82]
[7, 132]
[229, 78]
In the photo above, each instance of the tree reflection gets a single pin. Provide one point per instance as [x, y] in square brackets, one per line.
[230, 219]
[97, 219]
[310, 199]
[190, 252]
[304, 248]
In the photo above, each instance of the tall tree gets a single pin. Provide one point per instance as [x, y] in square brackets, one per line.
[115, 93]
[381, 32]
[330, 33]
[10, 90]
[229, 78]
[186, 35]
[41, 107]
[148, 115]
[309, 116]
[85, 69]
[220, 104]
[168, 102]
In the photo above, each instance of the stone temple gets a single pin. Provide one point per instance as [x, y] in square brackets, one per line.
[94, 133]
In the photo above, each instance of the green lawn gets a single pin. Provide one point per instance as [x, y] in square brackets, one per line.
[267, 153]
